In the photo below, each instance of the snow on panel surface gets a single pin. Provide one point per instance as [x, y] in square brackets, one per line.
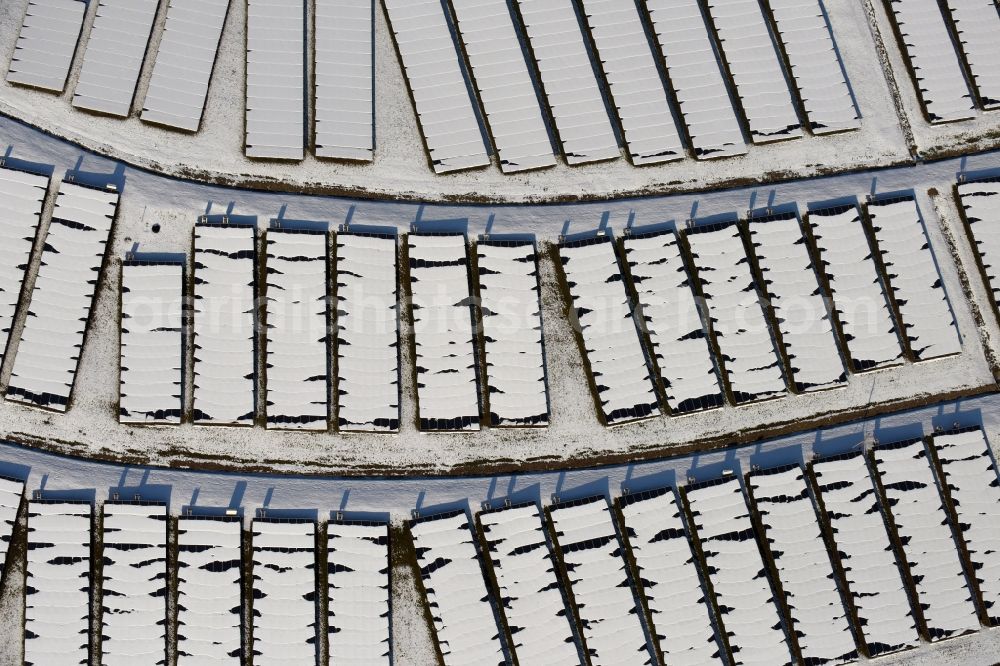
[367, 333]
[512, 329]
[676, 332]
[568, 79]
[794, 293]
[70, 267]
[859, 298]
[345, 79]
[598, 575]
[737, 570]
[133, 625]
[971, 477]
[21, 198]
[57, 589]
[815, 65]
[696, 77]
[795, 539]
[297, 386]
[756, 69]
[874, 582]
[915, 508]
[671, 582]
[981, 203]
[464, 624]
[940, 82]
[114, 56]
[614, 351]
[529, 589]
[358, 594]
[224, 324]
[46, 43]
[505, 87]
[978, 23]
[11, 493]
[914, 279]
[152, 352]
[184, 63]
[738, 322]
[209, 593]
[284, 592]
[444, 108]
[275, 86]
[635, 84]
[447, 387]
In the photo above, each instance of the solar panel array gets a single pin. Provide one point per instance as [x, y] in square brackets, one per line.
[114, 56]
[11, 496]
[297, 356]
[46, 43]
[224, 324]
[976, 25]
[614, 352]
[367, 333]
[344, 39]
[447, 382]
[275, 85]
[70, 267]
[512, 331]
[444, 107]
[186, 58]
[152, 334]
[979, 200]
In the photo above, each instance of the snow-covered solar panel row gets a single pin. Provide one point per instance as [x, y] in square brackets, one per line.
[913, 277]
[971, 477]
[634, 81]
[60, 305]
[671, 583]
[209, 591]
[815, 65]
[224, 323]
[670, 313]
[445, 110]
[697, 80]
[792, 287]
[794, 537]
[875, 585]
[58, 585]
[917, 512]
[977, 24]
[859, 299]
[367, 333]
[22, 196]
[447, 385]
[598, 577]
[465, 626]
[539, 621]
[284, 592]
[512, 331]
[756, 68]
[113, 59]
[133, 625]
[46, 44]
[980, 201]
[504, 84]
[11, 494]
[152, 352]
[940, 85]
[749, 358]
[569, 81]
[345, 79]
[738, 574]
[358, 593]
[297, 357]
[186, 57]
[614, 350]
[275, 83]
